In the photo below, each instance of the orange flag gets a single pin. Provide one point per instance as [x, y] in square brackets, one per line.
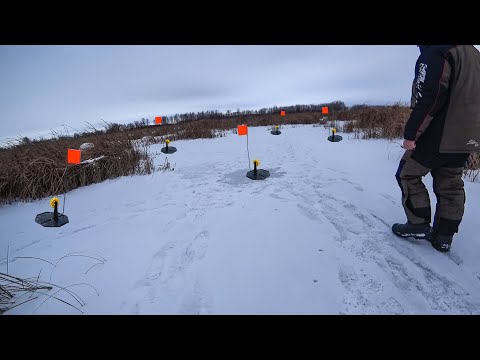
[74, 156]
[242, 130]
[325, 110]
[158, 120]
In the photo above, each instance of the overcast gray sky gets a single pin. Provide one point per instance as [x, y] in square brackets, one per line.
[45, 87]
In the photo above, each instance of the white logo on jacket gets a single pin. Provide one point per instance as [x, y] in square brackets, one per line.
[422, 74]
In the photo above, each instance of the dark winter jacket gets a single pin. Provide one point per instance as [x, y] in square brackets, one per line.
[446, 100]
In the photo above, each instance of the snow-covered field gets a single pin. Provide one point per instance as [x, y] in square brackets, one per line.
[313, 238]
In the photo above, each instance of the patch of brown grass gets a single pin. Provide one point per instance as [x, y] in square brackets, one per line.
[472, 170]
[382, 122]
[33, 171]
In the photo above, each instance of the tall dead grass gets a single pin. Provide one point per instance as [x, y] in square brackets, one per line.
[385, 122]
[33, 171]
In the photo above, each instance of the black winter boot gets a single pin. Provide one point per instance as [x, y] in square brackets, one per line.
[441, 242]
[418, 231]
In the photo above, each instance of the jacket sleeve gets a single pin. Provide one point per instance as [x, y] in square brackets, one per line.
[413, 99]
[431, 87]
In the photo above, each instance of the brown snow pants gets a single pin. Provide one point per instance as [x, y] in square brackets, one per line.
[447, 186]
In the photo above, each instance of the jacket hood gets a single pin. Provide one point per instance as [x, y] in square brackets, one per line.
[423, 47]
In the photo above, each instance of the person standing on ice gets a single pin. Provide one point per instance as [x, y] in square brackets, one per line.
[441, 132]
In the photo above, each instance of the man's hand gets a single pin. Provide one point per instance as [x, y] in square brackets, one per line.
[408, 144]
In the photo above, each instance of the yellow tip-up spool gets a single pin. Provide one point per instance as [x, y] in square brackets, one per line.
[54, 201]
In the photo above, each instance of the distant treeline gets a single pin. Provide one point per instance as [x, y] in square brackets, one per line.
[335, 107]
[215, 114]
